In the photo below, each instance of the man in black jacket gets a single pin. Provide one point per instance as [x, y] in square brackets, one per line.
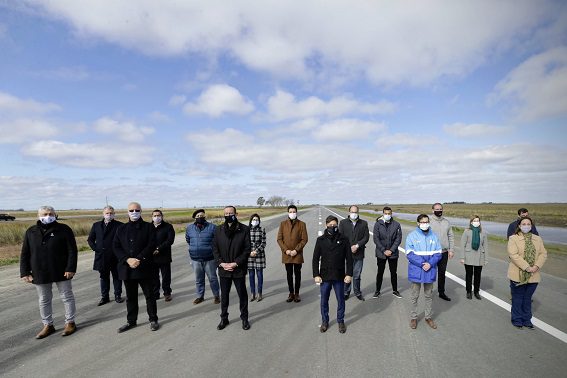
[134, 244]
[165, 236]
[101, 240]
[332, 251]
[49, 254]
[356, 231]
[387, 238]
[522, 213]
[231, 248]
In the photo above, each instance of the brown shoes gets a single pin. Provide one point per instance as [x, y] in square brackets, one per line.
[198, 300]
[413, 323]
[217, 300]
[45, 331]
[431, 323]
[296, 298]
[323, 328]
[259, 297]
[69, 329]
[253, 298]
[290, 298]
[168, 298]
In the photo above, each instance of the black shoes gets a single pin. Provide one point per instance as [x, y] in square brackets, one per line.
[360, 297]
[222, 325]
[477, 295]
[118, 299]
[126, 327]
[531, 326]
[154, 326]
[198, 300]
[469, 295]
[444, 297]
[376, 294]
[347, 296]
[245, 325]
[342, 327]
[396, 294]
[103, 301]
[324, 327]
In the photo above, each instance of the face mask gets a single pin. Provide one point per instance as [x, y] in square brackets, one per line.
[200, 220]
[255, 223]
[230, 218]
[438, 213]
[292, 216]
[424, 226]
[47, 219]
[157, 219]
[134, 216]
[332, 230]
[108, 217]
[475, 224]
[353, 216]
[387, 218]
[526, 229]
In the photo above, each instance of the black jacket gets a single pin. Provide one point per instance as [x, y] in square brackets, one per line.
[165, 236]
[47, 253]
[332, 252]
[512, 228]
[387, 236]
[101, 240]
[137, 240]
[232, 249]
[356, 235]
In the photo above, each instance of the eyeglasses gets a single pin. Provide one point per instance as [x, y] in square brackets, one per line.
[134, 211]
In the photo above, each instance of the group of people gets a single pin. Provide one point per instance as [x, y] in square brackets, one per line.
[136, 253]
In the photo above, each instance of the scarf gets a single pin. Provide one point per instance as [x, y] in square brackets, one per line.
[529, 256]
[475, 238]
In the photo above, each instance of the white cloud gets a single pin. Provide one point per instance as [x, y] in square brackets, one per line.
[347, 129]
[386, 42]
[405, 140]
[125, 131]
[89, 155]
[25, 130]
[218, 100]
[177, 100]
[15, 105]
[538, 86]
[283, 105]
[475, 130]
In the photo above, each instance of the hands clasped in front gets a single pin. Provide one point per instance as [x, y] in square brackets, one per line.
[291, 253]
[319, 280]
[229, 267]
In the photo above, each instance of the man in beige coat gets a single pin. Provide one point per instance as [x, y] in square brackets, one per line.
[292, 237]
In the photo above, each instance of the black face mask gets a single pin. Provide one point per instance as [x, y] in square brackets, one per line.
[438, 213]
[332, 230]
[200, 220]
[230, 218]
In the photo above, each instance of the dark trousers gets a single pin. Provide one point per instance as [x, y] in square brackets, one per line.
[293, 269]
[393, 266]
[441, 268]
[147, 285]
[522, 303]
[105, 282]
[240, 285]
[165, 285]
[339, 288]
[470, 271]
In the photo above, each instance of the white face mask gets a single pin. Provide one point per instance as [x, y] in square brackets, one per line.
[424, 226]
[255, 223]
[292, 216]
[526, 229]
[47, 219]
[157, 219]
[134, 216]
[475, 224]
[387, 218]
[108, 217]
[353, 216]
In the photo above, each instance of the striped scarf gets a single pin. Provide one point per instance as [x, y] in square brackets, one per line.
[529, 256]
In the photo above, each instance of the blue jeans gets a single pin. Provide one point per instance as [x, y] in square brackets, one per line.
[339, 288]
[260, 274]
[522, 303]
[208, 267]
[357, 271]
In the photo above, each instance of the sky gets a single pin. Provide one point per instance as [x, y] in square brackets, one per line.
[184, 103]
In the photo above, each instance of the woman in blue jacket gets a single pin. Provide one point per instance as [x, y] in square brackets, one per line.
[423, 251]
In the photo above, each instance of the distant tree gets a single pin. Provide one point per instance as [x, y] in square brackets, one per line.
[275, 200]
[261, 201]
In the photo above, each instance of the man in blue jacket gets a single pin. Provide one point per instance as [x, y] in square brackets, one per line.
[423, 251]
[200, 236]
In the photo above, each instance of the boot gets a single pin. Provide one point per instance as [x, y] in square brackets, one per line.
[45, 331]
[259, 297]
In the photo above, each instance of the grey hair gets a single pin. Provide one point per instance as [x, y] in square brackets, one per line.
[49, 209]
[108, 208]
[135, 203]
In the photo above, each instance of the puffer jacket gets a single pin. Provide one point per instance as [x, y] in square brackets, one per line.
[200, 241]
[422, 248]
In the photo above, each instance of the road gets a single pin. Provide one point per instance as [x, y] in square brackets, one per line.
[474, 338]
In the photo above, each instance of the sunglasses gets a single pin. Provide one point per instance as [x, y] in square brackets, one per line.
[134, 210]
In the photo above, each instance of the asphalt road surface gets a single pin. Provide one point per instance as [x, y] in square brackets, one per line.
[474, 338]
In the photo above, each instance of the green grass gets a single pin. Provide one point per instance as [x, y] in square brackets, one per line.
[8, 261]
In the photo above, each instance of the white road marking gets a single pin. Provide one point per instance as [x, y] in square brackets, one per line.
[497, 301]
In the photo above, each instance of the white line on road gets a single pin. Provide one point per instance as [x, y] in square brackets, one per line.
[497, 301]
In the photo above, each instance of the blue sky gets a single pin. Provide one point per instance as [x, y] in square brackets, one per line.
[188, 104]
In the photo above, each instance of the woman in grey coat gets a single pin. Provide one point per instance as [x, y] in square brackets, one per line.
[473, 255]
